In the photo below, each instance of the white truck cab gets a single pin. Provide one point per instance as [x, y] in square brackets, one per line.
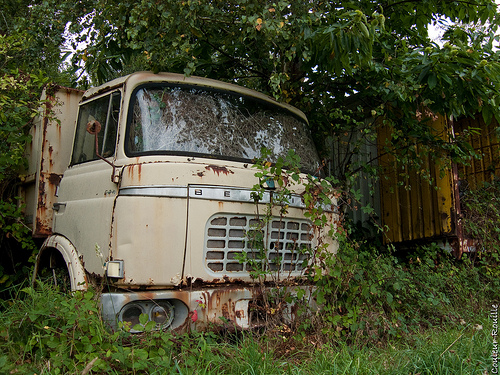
[145, 184]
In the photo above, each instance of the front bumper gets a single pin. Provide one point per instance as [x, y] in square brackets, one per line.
[198, 309]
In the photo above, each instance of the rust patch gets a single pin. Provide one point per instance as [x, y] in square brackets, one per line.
[103, 89]
[41, 193]
[111, 229]
[219, 170]
[55, 179]
[193, 282]
[131, 171]
[42, 228]
[199, 174]
[51, 161]
[225, 311]
[42, 221]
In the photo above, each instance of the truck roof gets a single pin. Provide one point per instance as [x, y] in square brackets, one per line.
[137, 78]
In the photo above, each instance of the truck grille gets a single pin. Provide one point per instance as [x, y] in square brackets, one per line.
[239, 244]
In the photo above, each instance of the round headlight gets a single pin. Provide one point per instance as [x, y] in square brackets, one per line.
[162, 313]
[130, 314]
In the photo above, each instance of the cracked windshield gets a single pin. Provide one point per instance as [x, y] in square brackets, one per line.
[186, 120]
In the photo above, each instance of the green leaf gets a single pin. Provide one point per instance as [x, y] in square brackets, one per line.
[141, 354]
[300, 293]
[138, 328]
[389, 298]
[143, 319]
[432, 80]
[150, 326]
[320, 297]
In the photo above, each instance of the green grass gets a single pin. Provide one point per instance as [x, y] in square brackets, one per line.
[45, 332]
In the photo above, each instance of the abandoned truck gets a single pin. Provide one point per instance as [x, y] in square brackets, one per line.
[145, 185]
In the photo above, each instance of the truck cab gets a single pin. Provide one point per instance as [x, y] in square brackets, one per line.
[153, 197]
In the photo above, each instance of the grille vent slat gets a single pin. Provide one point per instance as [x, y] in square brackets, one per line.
[227, 237]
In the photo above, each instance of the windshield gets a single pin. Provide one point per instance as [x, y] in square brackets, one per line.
[192, 120]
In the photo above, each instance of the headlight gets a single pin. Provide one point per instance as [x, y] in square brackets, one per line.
[130, 313]
[160, 311]
[162, 314]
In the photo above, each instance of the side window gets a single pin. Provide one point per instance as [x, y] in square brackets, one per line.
[105, 110]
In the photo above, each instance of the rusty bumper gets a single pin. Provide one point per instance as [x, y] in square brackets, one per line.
[194, 309]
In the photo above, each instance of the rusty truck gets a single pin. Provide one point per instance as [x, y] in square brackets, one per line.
[145, 185]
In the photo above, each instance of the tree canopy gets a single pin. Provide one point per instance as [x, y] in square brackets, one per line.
[351, 66]
[340, 62]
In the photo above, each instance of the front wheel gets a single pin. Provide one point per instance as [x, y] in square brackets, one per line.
[52, 270]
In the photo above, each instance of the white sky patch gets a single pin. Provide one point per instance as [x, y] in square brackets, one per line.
[437, 28]
[436, 32]
[72, 46]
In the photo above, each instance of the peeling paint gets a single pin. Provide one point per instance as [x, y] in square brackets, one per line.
[218, 169]
[176, 280]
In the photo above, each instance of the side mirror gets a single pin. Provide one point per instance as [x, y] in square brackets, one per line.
[94, 128]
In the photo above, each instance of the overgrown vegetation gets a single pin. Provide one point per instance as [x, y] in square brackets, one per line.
[19, 103]
[371, 294]
[378, 313]
[481, 218]
[428, 314]
[31, 34]
[366, 290]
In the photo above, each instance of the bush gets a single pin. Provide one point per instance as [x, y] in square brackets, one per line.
[372, 296]
[481, 221]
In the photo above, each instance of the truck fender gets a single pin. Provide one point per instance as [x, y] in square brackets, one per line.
[74, 265]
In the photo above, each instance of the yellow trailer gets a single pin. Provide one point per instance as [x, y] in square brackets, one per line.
[424, 204]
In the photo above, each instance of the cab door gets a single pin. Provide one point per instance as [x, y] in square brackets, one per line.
[86, 194]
